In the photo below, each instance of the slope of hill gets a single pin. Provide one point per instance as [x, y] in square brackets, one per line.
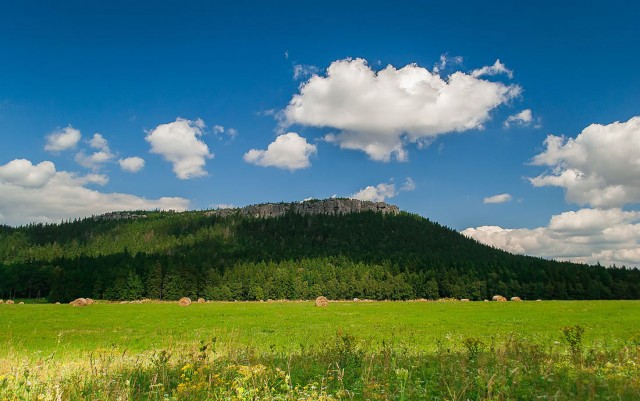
[340, 248]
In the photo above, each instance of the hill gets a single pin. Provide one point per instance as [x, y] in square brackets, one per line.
[339, 248]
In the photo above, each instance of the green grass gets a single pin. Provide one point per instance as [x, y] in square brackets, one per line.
[285, 326]
[348, 350]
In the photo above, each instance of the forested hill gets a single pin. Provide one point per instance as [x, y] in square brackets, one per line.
[338, 248]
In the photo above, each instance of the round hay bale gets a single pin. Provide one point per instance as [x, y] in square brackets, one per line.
[464, 300]
[499, 298]
[90, 301]
[516, 299]
[184, 301]
[57, 303]
[322, 301]
[1, 301]
[201, 300]
[538, 300]
[21, 303]
[79, 302]
[9, 302]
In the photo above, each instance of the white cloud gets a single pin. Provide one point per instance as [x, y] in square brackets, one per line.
[383, 191]
[607, 236]
[409, 185]
[501, 198]
[378, 193]
[600, 167]
[39, 193]
[62, 139]
[289, 151]
[302, 71]
[223, 206]
[97, 159]
[178, 143]
[378, 112]
[23, 173]
[524, 119]
[495, 69]
[131, 164]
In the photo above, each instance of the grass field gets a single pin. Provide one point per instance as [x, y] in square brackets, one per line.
[348, 350]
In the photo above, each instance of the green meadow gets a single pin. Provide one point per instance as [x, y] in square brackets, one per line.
[347, 350]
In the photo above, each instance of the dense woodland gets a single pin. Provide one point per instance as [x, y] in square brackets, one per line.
[166, 255]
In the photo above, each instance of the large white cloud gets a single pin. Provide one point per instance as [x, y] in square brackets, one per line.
[39, 193]
[178, 142]
[600, 167]
[62, 139]
[377, 112]
[608, 236]
[289, 151]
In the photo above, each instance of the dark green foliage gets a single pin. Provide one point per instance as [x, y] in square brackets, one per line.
[365, 255]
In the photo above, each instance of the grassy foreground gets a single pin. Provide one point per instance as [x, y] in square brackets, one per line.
[349, 350]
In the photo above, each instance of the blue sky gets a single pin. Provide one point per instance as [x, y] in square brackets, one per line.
[349, 95]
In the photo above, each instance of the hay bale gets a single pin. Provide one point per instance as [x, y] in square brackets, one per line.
[322, 301]
[90, 301]
[9, 302]
[79, 302]
[499, 298]
[57, 303]
[201, 300]
[464, 300]
[516, 299]
[1, 301]
[21, 303]
[184, 301]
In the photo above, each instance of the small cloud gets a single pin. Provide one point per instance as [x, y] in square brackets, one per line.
[218, 129]
[409, 185]
[131, 164]
[495, 69]
[523, 119]
[223, 206]
[502, 198]
[232, 133]
[378, 193]
[302, 71]
[62, 139]
[97, 159]
[178, 143]
[289, 151]
[286, 54]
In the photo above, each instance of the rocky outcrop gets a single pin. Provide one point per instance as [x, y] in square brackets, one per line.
[309, 207]
[119, 216]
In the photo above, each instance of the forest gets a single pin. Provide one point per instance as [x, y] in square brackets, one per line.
[368, 255]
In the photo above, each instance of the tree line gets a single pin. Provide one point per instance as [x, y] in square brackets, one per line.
[359, 255]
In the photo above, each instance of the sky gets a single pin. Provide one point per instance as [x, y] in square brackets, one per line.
[515, 124]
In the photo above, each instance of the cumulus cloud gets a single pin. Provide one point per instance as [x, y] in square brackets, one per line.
[178, 143]
[600, 167]
[131, 164]
[523, 119]
[289, 151]
[97, 159]
[378, 193]
[608, 236]
[21, 172]
[379, 112]
[62, 139]
[501, 198]
[383, 191]
[39, 193]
